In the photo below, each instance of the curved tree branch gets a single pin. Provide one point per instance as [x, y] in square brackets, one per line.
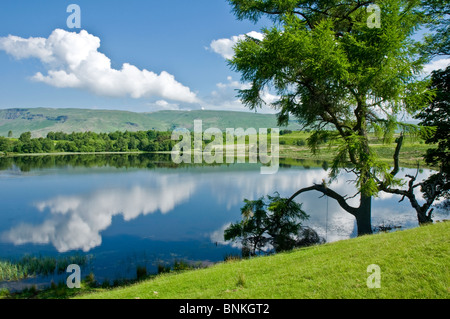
[330, 193]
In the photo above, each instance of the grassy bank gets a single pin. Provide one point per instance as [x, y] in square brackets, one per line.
[294, 145]
[414, 264]
[411, 154]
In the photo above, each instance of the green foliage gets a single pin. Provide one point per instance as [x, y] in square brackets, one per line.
[5, 144]
[10, 271]
[163, 268]
[4, 293]
[438, 42]
[90, 280]
[25, 137]
[332, 72]
[177, 266]
[141, 272]
[30, 266]
[283, 132]
[150, 141]
[300, 142]
[275, 222]
[436, 116]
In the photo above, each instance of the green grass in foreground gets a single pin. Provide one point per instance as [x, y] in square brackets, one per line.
[414, 264]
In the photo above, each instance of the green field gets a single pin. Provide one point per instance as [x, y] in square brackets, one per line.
[414, 263]
[294, 146]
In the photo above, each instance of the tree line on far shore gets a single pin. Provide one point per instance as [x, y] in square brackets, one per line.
[145, 141]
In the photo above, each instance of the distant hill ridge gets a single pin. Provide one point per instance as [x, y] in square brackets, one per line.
[40, 121]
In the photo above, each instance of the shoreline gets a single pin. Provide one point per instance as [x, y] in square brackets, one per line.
[287, 156]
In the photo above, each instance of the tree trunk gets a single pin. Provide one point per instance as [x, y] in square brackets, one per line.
[432, 191]
[363, 216]
[423, 217]
[363, 213]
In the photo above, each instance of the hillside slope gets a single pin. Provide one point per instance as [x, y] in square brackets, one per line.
[40, 121]
[414, 263]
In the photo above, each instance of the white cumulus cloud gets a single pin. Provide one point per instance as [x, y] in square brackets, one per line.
[436, 65]
[225, 46]
[225, 97]
[163, 105]
[72, 60]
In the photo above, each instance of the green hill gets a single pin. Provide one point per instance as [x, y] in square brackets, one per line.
[40, 121]
[414, 263]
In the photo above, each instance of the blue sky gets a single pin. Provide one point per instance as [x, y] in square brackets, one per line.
[131, 55]
[172, 36]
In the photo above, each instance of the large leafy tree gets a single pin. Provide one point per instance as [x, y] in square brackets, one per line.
[339, 76]
[435, 116]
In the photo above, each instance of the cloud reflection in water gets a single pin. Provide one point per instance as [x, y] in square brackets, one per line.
[76, 222]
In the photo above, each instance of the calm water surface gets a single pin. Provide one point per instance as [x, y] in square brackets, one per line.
[127, 211]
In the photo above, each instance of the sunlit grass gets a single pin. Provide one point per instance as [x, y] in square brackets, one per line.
[414, 264]
[293, 145]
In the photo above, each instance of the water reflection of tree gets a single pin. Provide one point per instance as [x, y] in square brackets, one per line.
[142, 160]
[27, 163]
